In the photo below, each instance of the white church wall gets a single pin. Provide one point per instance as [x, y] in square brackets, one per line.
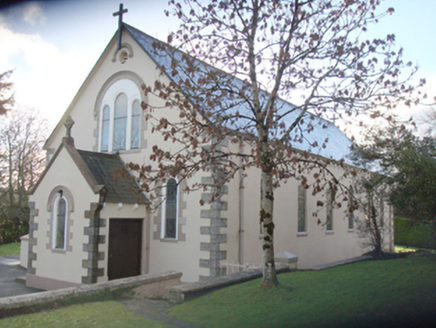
[83, 107]
[316, 246]
[59, 268]
[182, 253]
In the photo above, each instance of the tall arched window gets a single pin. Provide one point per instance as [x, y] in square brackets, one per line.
[329, 210]
[59, 222]
[301, 209]
[120, 122]
[120, 117]
[170, 210]
[136, 117]
[105, 126]
[351, 209]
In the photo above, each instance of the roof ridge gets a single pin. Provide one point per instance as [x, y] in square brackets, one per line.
[215, 68]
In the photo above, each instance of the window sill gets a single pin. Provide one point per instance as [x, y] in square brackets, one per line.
[351, 230]
[329, 232]
[59, 251]
[129, 151]
[169, 240]
[121, 151]
[301, 234]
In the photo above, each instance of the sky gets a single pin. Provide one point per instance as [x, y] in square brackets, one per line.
[53, 45]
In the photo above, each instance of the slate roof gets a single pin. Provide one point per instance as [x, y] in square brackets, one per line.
[325, 140]
[109, 170]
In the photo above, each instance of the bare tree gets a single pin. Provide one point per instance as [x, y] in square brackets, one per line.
[370, 219]
[22, 135]
[6, 95]
[244, 58]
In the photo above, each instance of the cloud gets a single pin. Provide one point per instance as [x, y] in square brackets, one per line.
[33, 14]
[34, 49]
[45, 77]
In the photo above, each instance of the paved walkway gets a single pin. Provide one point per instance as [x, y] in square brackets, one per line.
[343, 262]
[155, 310]
[10, 269]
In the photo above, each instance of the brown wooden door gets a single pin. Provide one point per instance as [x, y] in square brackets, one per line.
[125, 241]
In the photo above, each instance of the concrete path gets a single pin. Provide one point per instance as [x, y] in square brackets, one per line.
[343, 262]
[155, 310]
[10, 270]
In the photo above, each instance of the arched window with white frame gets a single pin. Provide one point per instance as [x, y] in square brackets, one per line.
[169, 217]
[302, 228]
[351, 209]
[329, 210]
[120, 122]
[136, 119]
[120, 117]
[59, 229]
[105, 125]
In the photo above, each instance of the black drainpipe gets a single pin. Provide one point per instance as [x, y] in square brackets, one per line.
[95, 234]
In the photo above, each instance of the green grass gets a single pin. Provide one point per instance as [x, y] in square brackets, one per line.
[99, 314]
[366, 294]
[10, 249]
[389, 293]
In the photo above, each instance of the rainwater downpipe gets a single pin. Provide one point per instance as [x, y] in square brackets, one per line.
[96, 232]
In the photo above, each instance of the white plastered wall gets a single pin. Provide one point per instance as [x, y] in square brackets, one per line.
[316, 247]
[57, 265]
[183, 254]
[164, 254]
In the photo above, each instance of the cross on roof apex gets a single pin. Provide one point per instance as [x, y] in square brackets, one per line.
[68, 125]
[120, 13]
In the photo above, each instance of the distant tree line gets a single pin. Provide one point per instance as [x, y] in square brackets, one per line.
[408, 165]
[22, 134]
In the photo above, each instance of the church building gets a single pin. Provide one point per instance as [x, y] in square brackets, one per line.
[89, 220]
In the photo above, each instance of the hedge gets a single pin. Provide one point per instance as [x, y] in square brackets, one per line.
[414, 233]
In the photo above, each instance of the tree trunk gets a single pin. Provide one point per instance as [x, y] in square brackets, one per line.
[11, 170]
[267, 228]
[378, 248]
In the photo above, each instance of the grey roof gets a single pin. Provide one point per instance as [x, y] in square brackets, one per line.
[316, 135]
[109, 170]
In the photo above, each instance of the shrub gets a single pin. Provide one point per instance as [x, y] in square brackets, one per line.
[414, 233]
[14, 223]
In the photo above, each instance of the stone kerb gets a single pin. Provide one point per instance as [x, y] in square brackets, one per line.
[145, 286]
[179, 294]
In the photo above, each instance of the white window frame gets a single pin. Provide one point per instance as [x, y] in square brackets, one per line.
[55, 221]
[163, 218]
[329, 211]
[350, 215]
[133, 94]
[301, 198]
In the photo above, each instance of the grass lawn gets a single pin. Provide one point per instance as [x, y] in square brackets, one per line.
[391, 293]
[400, 292]
[99, 314]
[10, 249]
